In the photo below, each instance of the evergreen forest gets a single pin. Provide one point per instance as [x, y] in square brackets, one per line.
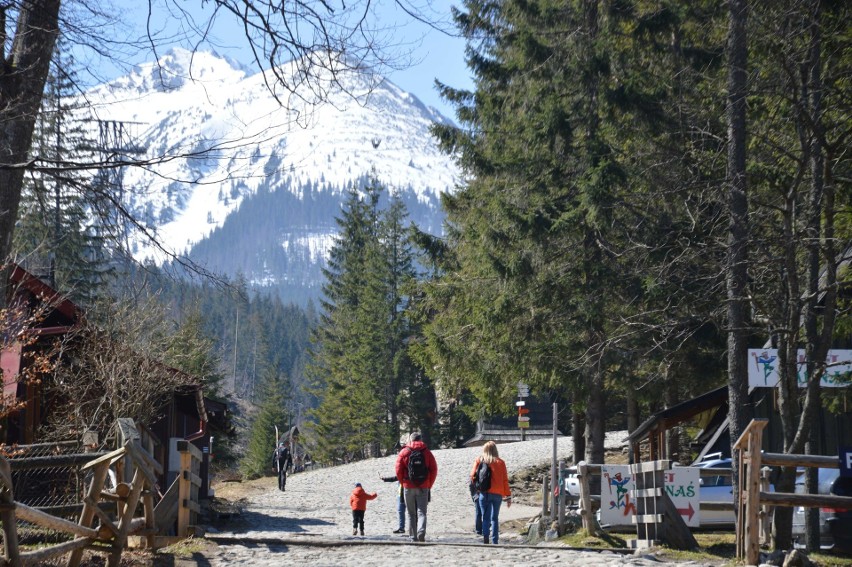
[650, 189]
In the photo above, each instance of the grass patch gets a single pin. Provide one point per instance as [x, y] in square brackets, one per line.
[185, 548]
[604, 540]
[829, 559]
[718, 548]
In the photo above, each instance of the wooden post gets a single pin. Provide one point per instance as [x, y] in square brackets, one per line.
[765, 509]
[752, 525]
[652, 445]
[560, 515]
[11, 553]
[188, 483]
[586, 512]
[99, 475]
[126, 519]
[749, 462]
[554, 470]
[544, 500]
[150, 518]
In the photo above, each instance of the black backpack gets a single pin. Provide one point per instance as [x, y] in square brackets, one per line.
[418, 472]
[482, 481]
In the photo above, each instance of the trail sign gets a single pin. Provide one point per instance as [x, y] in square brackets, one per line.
[523, 418]
[523, 411]
[523, 425]
[520, 403]
[682, 486]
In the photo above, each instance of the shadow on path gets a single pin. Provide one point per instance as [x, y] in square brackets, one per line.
[251, 521]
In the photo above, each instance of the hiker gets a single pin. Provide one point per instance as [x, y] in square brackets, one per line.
[416, 470]
[489, 476]
[474, 495]
[281, 459]
[400, 503]
[358, 503]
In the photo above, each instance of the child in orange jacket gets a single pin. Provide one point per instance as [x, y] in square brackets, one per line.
[358, 502]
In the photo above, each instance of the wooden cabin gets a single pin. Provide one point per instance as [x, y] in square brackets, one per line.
[185, 417]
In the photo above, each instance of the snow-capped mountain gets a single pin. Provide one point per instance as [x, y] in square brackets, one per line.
[253, 185]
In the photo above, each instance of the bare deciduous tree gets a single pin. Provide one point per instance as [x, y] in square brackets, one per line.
[112, 369]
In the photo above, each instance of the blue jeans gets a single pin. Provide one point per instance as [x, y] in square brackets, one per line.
[478, 514]
[490, 504]
[400, 510]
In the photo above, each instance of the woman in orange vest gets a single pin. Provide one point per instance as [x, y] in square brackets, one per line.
[492, 495]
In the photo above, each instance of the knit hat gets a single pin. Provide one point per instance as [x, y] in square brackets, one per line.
[357, 484]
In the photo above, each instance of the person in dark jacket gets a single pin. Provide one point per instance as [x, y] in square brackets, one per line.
[400, 504]
[281, 460]
[417, 492]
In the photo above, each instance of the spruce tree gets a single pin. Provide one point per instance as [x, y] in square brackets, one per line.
[362, 374]
[342, 367]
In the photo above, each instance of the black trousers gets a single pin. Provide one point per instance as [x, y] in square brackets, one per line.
[282, 478]
[358, 519]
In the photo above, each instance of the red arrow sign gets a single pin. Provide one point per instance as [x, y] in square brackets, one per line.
[689, 512]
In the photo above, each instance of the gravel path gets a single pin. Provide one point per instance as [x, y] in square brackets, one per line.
[315, 508]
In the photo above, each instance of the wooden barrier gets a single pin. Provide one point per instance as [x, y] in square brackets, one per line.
[755, 498]
[110, 535]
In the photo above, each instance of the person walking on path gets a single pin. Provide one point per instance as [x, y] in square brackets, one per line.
[416, 471]
[358, 503]
[400, 503]
[490, 477]
[281, 460]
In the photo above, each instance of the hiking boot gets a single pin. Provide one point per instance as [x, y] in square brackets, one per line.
[485, 539]
[354, 531]
[362, 532]
[421, 537]
[399, 531]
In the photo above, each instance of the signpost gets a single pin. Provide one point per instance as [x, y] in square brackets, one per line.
[523, 419]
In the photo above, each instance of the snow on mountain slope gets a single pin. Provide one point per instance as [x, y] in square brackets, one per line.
[226, 136]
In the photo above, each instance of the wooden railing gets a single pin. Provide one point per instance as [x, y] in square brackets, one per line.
[753, 496]
[135, 492]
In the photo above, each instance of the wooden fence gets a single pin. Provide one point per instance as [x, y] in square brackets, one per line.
[753, 498]
[122, 510]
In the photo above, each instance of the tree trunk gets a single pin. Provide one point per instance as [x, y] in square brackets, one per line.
[670, 399]
[740, 410]
[22, 79]
[595, 418]
[578, 431]
[632, 410]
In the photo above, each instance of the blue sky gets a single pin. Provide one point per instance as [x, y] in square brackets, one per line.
[433, 53]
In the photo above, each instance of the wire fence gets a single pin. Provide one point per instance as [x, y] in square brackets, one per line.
[47, 476]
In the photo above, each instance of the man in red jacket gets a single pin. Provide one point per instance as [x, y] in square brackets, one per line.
[416, 470]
